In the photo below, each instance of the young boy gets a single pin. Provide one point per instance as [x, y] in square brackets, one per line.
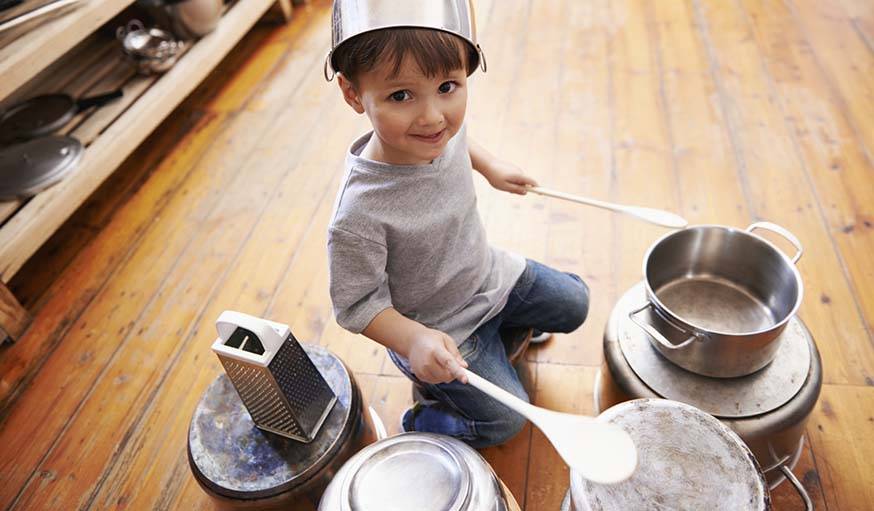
[410, 266]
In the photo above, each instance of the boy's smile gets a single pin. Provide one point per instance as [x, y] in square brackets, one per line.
[413, 116]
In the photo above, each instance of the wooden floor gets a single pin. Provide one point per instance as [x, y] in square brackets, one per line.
[725, 111]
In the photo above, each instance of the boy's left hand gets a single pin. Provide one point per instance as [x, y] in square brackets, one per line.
[509, 178]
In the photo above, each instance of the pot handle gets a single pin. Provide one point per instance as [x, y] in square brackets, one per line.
[808, 504]
[782, 231]
[329, 75]
[655, 334]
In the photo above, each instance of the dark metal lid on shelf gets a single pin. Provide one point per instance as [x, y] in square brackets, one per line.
[758, 393]
[29, 167]
[233, 458]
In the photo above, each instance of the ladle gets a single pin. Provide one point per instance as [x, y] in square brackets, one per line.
[599, 451]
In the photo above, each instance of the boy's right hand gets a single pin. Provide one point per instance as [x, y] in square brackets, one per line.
[434, 357]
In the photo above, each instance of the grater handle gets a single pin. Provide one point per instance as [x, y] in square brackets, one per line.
[228, 322]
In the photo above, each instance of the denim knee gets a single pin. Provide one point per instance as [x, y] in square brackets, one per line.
[501, 430]
[575, 305]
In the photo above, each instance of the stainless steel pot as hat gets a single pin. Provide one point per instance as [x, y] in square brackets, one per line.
[355, 17]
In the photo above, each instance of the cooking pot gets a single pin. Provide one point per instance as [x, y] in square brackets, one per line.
[687, 460]
[768, 409]
[187, 19]
[243, 467]
[722, 295]
[355, 17]
[421, 471]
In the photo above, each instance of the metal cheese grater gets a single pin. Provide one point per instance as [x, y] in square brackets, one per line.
[278, 383]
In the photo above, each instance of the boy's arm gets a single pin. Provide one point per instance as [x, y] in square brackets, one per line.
[433, 355]
[500, 174]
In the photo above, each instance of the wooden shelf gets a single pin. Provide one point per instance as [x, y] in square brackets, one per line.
[115, 130]
[25, 57]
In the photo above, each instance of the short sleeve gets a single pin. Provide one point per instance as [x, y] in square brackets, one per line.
[358, 280]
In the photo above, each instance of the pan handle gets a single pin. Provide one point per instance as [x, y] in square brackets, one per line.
[655, 334]
[808, 504]
[782, 231]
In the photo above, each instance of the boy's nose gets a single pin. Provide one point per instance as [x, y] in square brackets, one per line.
[430, 115]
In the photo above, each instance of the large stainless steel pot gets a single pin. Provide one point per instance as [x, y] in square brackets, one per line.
[417, 471]
[768, 409]
[722, 297]
[687, 460]
[355, 17]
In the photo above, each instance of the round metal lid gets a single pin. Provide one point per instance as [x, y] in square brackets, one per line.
[424, 473]
[30, 167]
[763, 391]
[687, 459]
[37, 116]
[234, 458]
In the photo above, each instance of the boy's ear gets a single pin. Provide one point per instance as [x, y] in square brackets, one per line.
[349, 93]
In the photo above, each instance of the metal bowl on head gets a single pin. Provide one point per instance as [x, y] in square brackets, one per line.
[355, 17]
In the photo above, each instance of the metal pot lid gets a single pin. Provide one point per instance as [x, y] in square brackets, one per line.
[687, 459]
[758, 393]
[414, 471]
[38, 115]
[30, 167]
[232, 457]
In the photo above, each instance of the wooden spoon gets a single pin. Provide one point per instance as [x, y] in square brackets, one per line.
[655, 216]
[599, 451]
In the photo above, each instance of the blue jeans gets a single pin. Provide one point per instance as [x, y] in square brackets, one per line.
[544, 299]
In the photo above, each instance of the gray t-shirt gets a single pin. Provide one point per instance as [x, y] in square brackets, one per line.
[410, 237]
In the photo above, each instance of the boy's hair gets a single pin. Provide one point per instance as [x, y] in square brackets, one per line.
[434, 51]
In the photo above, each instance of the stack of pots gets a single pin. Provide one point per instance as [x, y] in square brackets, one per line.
[714, 325]
[243, 467]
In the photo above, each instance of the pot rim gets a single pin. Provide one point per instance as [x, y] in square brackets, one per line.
[702, 332]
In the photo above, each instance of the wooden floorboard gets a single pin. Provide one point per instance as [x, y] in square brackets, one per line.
[727, 112]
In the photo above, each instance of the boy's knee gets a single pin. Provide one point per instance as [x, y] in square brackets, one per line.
[507, 427]
[576, 308]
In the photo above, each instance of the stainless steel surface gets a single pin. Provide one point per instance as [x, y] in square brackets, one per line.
[757, 393]
[775, 437]
[150, 50]
[723, 295]
[688, 460]
[280, 386]
[29, 167]
[355, 17]
[186, 19]
[420, 471]
[237, 463]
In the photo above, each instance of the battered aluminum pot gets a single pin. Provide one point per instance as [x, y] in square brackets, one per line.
[724, 294]
[420, 471]
[355, 17]
[768, 410]
[686, 460]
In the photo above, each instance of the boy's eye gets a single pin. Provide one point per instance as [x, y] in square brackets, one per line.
[447, 87]
[400, 95]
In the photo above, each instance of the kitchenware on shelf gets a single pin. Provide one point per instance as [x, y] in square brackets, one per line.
[417, 471]
[280, 386]
[43, 115]
[151, 50]
[654, 216]
[598, 451]
[688, 460]
[721, 295]
[29, 167]
[355, 17]
[241, 466]
[768, 409]
[186, 19]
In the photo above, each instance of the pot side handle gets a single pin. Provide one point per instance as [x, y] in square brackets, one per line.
[808, 504]
[782, 231]
[655, 334]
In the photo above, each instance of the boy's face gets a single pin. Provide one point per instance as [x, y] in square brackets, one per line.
[413, 116]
